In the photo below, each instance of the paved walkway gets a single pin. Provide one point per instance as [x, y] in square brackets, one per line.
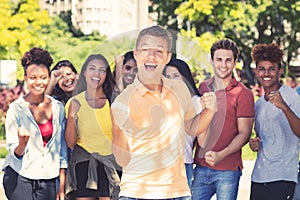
[244, 190]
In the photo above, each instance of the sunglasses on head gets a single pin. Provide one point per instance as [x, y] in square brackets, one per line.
[128, 68]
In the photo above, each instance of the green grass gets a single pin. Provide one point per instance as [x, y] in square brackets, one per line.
[247, 153]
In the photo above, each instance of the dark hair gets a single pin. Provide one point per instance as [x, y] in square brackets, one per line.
[128, 56]
[57, 92]
[156, 31]
[108, 84]
[185, 71]
[225, 44]
[36, 56]
[64, 63]
[267, 52]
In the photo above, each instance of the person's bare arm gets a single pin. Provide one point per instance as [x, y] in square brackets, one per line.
[23, 136]
[244, 129]
[54, 78]
[62, 180]
[71, 126]
[120, 146]
[202, 139]
[294, 122]
[254, 143]
[201, 121]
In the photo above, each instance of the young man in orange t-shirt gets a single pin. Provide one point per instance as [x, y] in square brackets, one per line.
[150, 119]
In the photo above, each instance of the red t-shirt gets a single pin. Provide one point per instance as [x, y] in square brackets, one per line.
[236, 101]
[46, 130]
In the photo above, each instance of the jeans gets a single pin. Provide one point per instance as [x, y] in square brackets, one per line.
[208, 181]
[189, 174]
[18, 187]
[177, 198]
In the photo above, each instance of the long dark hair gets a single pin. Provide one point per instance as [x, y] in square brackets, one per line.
[57, 92]
[185, 71]
[108, 84]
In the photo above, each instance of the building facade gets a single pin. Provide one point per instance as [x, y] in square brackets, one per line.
[109, 18]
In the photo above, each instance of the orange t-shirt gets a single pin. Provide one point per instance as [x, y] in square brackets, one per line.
[154, 126]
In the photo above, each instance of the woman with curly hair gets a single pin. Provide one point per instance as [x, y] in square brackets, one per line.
[277, 127]
[92, 169]
[37, 152]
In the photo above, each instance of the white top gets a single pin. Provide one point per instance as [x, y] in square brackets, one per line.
[189, 140]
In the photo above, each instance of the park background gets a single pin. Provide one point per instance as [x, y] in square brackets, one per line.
[195, 25]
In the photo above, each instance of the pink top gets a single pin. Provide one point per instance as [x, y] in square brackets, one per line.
[46, 130]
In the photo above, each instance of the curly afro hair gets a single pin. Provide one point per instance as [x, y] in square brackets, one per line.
[36, 56]
[267, 52]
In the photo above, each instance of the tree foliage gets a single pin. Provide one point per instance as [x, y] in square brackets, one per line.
[19, 27]
[247, 22]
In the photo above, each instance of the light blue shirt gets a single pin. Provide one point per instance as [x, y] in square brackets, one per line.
[278, 156]
[38, 162]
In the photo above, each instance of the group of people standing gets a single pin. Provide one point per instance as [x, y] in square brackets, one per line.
[90, 137]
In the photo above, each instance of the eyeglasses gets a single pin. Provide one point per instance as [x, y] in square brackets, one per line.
[154, 51]
[129, 68]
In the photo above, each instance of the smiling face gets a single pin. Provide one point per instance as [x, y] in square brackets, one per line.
[223, 63]
[37, 78]
[268, 74]
[151, 56]
[129, 71]
[173, 73]
[67, 82]
[95, 74]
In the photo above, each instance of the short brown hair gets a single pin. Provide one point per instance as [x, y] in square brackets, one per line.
[225, 44]
[156, 31]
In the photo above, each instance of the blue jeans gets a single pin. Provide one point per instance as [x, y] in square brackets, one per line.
[208, 181]
[189, 174]
[177, 198]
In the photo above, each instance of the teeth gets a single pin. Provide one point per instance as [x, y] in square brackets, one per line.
[69, 83]
[150, 67]
[96, 79]
[223, 69]
[266, 78]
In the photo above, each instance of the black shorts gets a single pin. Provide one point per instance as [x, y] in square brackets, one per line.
[82, 176]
